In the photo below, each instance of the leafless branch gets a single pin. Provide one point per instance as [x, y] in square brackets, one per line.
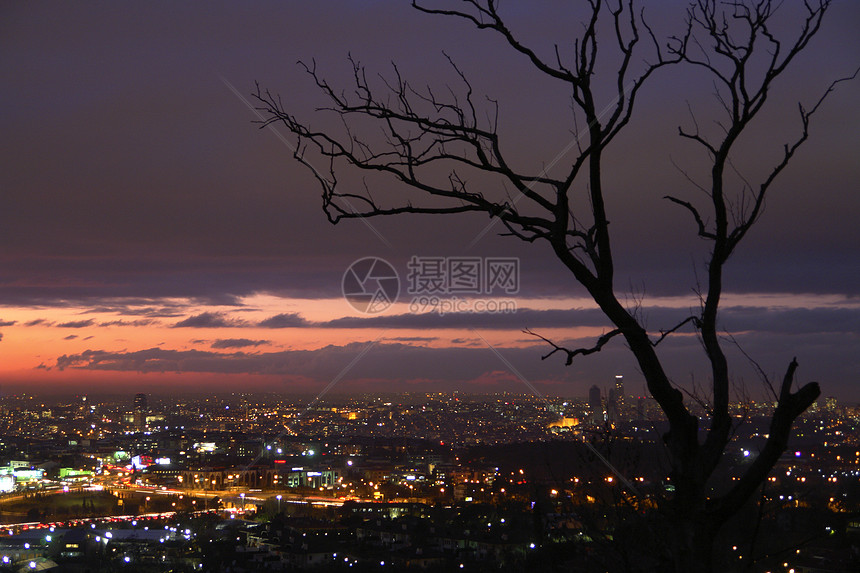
[598, 346]
[765, 379]
[665, 333]
[703, 231]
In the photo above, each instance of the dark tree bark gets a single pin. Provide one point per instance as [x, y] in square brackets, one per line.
[424, 133]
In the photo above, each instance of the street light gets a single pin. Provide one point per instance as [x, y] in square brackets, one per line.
[242, 495]
[278, 497]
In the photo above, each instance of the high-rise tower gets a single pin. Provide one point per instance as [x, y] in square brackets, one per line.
[595, 404]
[140, 402]
[619, 391]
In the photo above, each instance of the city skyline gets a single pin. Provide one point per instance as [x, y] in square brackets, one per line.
[152, 238]
[105, 484]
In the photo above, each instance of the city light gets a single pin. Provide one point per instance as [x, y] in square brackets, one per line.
[332, 473]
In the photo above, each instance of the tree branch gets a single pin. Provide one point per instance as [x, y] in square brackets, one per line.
[598, 346]
[665, 333]
[703, 232]
[789, 407]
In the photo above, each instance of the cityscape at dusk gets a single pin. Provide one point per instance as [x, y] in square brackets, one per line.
[590, 301]
[434, 482]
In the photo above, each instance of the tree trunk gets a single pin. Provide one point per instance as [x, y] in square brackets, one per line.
[692, 545]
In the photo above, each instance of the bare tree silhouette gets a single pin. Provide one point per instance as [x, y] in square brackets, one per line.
[429, 132]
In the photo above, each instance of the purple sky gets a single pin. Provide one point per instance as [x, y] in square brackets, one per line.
[135, 186]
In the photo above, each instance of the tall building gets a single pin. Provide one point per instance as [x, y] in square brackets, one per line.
[612, 412]
[140, 402]
[595, 404]
[615, 407]
[619, 391]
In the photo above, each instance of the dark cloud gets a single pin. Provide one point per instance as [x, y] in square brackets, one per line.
[238, 343]
[141, 278]
[39, 322]
[285, 320]
[209, 320]
[471, 341]
[1, 336]
[383, 361]
[793, 320]
[140, 322]
[131, 309]
[7, 322]
[70, 337]
[521, 318]
[732, 319]
[77, 323]
[392, 365]
[156, 308]
[414, 338]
